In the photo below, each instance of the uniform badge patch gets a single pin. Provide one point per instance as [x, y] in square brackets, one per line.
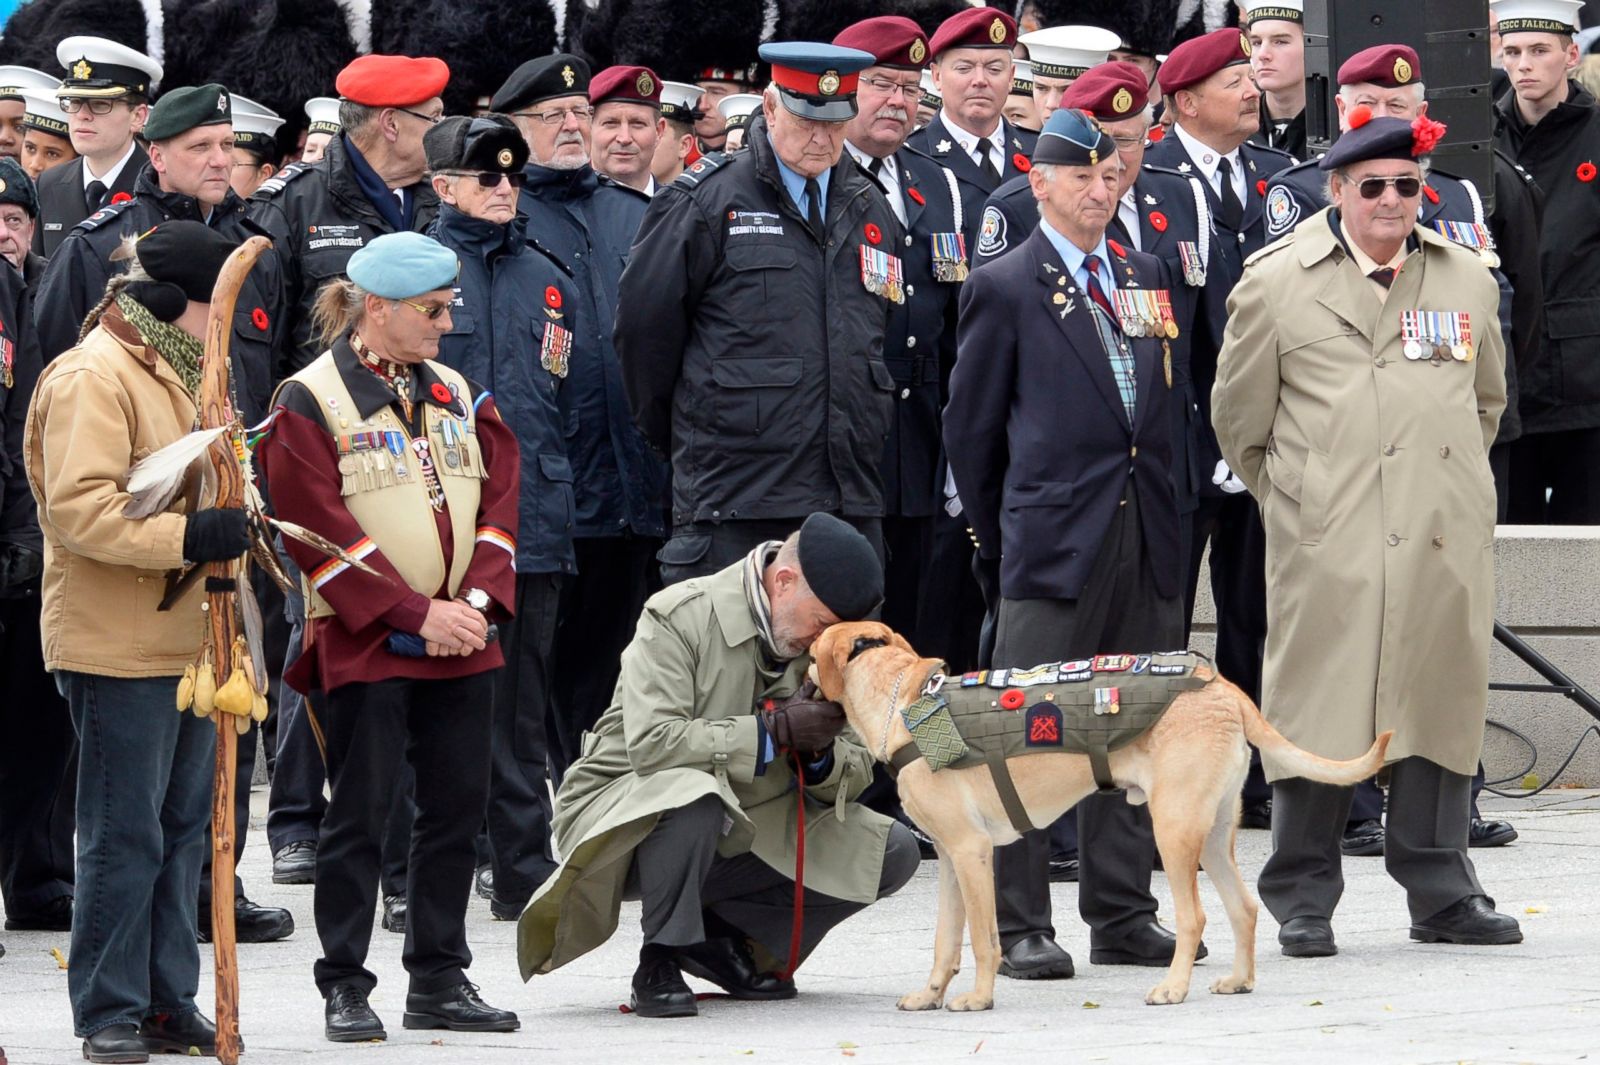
[1282, 211]
[1043, 725]
[992, 232]
[1170, 670]
[1141, 664]
[1112, 663]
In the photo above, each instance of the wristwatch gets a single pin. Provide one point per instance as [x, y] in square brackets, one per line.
[476, 598]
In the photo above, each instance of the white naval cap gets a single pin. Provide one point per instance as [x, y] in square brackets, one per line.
[42, 111]
[98, 67]
[1280, 10]
[323, 114]
[1068, 51]
[14, 80]
[740, 105]
[678, 98]
[1537, 16]
[255, 126]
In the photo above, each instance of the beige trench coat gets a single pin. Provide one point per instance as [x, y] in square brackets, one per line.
[682, 726]
[1373, 478]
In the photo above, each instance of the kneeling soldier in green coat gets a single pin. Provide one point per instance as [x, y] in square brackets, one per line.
[685, 796]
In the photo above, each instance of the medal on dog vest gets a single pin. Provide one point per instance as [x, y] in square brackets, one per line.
[949, 256]
[882, 274]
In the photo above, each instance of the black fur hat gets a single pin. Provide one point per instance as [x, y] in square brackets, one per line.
[32, 32]
[1145, 26]
[482, 41]
[1199, 17]
[821, 20]
[675, 40]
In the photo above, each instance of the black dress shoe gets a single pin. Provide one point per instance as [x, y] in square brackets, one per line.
[1150, 945]
[118, 1043]
[504, 910]
[53, 916]
[1307, 937]
[458, 1009]
[483, 881]
[349, 1018]
[166, 1033]
[251, 923]
[1490, 833]
[295, 863]
[1036, 957]
[394, 914]
[1256, 814]
[1472, 921]
[728, 963]
[1063, 870]
[1363, 839]
[659, 990]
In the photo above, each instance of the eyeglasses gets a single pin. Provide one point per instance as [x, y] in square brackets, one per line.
[73, 104]
[488, 179]
[1128, 143]
[889, 88]
[432, 314]
[432, 120]
[555, 118]
[1372, 187]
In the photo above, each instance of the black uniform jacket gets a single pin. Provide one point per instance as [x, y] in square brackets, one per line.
[1560, 387]
[61, 202]
[751, 346]
[1037, 433]
[936, 140]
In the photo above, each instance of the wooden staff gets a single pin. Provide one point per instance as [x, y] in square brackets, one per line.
[216, 409]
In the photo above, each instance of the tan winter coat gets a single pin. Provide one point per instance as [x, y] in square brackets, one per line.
[1372, 473]
[682, 726]
[98, 409]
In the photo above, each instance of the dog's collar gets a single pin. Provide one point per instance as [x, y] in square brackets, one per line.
[864, 644]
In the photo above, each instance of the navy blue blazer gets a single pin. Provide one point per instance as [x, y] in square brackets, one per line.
[1036, 431]
[936, 140]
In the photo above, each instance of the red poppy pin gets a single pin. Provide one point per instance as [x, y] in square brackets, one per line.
[1012, 699]
[259, 319]
[441, 394]
[121, 197]
[1117, 249]
[1158, 221]
[1020, 161]
[917, 196]
[552, 296]
[1261, 187]
[874, 234]
[1586, 172]
[1431, 193]
[1156, 134]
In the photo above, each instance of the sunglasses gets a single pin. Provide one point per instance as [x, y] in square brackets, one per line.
[490, 179]
[431, 313]
[1406, 187]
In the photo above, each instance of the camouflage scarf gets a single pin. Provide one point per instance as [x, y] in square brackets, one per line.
[181, 350]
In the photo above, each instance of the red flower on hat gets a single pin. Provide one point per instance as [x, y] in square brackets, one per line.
[1359, 116]
[1158, 221]
[552, 296]
[1012, 699]
[1431, 193]
[440, 393]
[874, 234]
[259, 319]
[1586, 172]
[1020, 161]
[917, 196]
[121, 197]
[1425, 133]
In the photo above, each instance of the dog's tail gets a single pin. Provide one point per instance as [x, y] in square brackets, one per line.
[1302, 763]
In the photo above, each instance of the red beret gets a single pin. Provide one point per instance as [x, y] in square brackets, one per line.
[893, 40]
[1388, 65]
[1195, 60]
[634, 85]
[392, 80]
[976, 27]
[1110, 92]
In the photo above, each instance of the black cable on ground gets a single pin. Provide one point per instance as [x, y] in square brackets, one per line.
[1533, 759]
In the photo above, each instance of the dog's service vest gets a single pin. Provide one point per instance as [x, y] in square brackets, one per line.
[382, 484]
[1091, 707]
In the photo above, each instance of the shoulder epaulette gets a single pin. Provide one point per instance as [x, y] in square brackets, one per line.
[669, 599]
[703, 168]
[275, 184]
[104, 215]
[1286, 241]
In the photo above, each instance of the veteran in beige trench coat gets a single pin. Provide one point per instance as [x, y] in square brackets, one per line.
[1371, 468]
[688, 758]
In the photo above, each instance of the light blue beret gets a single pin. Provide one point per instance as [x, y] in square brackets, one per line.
[398, 266]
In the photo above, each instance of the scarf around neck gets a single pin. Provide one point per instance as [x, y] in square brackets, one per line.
[755, 593]
[182, 351]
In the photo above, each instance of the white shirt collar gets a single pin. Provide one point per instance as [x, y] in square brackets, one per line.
[1207, 158]
[109, 178]
[969, 141]
[889, 176]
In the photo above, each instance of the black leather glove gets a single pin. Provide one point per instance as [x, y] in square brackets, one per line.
[805, 722]
[20, 567]
[215, 535]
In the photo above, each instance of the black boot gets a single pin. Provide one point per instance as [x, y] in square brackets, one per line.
[166, 1033]
[658, 987]
[118, 1043]
[394, 914]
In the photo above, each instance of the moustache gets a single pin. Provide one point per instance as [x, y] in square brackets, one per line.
[564, 139]
[895, 114]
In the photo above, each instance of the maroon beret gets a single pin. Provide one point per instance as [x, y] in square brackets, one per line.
[1110, 92]
[631, 85]
[1388, 65]
[1195, 60]
[893, 40]
[392, 80]
[976, 27]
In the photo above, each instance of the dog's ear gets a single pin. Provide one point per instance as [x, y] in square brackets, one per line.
[827, 658]
[897, 640]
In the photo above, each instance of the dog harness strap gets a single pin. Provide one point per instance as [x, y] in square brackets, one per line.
[1008, 793]
[1100, 764]
[903, 757]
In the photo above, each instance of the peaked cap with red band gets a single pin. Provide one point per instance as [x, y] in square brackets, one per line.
[817, 81]
[392, 80]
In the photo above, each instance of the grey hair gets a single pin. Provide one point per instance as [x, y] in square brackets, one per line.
[354, 118]
[789, 556]
[1347, 93]
[339, 306]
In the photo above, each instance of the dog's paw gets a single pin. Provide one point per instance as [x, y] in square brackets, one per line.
[969, 1002]
[1232, 985]
[1165, 994]
[925, 999]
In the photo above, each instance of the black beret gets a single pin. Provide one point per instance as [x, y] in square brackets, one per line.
[1382, 138]
[180, 110]
[542, 79]
[841, 567]
[17, 187]
[185, 254]
[486, 143]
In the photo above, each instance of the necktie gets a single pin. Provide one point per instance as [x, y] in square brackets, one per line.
[875, 171]
[1383, 275]
[986, 163]
[814, 206]
[1110, 336]
[1096, 293]
[94, 195]
[1232, 213]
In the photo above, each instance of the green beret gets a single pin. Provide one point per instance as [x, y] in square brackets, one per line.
[180, 110]
[399, 266]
